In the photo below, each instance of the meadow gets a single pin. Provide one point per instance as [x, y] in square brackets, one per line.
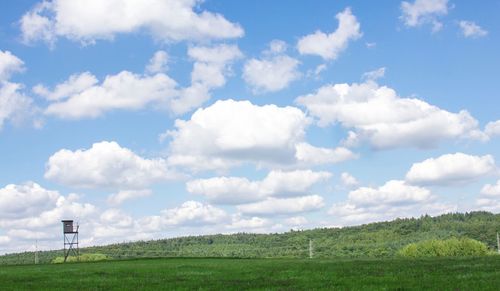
[270, 274]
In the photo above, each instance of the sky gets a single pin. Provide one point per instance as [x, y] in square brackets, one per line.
[161, 118]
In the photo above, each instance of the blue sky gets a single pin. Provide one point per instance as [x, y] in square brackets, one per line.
[154, 119]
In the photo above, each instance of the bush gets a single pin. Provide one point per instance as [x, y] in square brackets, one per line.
[82, 258]
[453, 247]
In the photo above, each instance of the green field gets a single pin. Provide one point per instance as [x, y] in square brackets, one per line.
[237, 274]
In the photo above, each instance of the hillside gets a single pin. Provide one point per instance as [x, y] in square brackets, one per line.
[374, 240]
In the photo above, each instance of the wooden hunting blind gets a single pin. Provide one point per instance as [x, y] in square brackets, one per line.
[70, 234]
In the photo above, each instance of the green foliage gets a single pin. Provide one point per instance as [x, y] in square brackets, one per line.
[81, 258]
[453, 247]
[374, 240]
[259, 274]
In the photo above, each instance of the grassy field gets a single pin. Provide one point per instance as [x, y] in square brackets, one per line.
[237, 274]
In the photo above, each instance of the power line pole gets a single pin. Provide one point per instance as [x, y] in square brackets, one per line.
[310, 249]
[498, 243]
[36, 252]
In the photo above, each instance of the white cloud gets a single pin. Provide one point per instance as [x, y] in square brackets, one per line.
[393, 199]
[210, 68]
[9, 64]
[244, 224]
[393, 192]
[386, 120]
[471, 30]
[271, 75]
[424, 12]
[105, 165]
[492, 128]
[448, 169]
[158, 63]
[348, 180]
[488, 199]
[274, 72]
[312, 155]
[375, 74]
[82, 97]
[4, 239]
[126, 91]
[221, 54]
[296, 221]
[124, 195]
[212, 64]
[116, 217]
[316, 73]
[235, 190]
[75, 84]
[277, 46]
[192, 213]
[239, 130]
[491, 190]
[18, 201]
[226, 190]
[89, 20]
[329, 46]
[230, 132]
[15, 106]
[30, 206]
[277, 206]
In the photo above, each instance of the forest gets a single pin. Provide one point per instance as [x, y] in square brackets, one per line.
[373, 240]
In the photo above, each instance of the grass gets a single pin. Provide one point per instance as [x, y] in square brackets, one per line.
[237, 274]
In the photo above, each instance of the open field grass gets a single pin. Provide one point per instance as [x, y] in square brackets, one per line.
[237, 274]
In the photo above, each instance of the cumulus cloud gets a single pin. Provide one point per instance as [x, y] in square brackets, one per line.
[105, 165]
[192, 213]
[158, 63]
[75, 84]
[125, 91]
[274, 72]
[9, 64]
[244, 224]
[391, 200]
[236, 190]
[86, 21]
[82, 96]
[283, 206]
[348, 180]
[424, 12]
[15, 105]
[375, 74]
[211, 67]
[448, 169]
[488, 199]
[312, 155]
[230, 132]
[124, 195]
[493, 128]
[29, 211]
[329, 46]
[29, 199]
[471, 30]
[377, 114]
[491, 190]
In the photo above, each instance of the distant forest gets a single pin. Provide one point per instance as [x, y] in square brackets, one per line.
[374, 240]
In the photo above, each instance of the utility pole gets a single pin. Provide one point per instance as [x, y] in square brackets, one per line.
[498, 243]
[310, 249]
[36, 252]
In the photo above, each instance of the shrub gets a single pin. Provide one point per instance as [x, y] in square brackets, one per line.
[453, 247]
[81, 258]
